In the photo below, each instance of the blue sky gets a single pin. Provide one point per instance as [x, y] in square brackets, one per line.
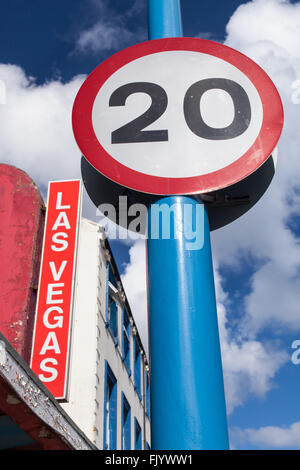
[42, 36]
[47, 49]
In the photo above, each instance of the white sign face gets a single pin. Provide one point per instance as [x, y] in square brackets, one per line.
[177, 116]
[170, 75]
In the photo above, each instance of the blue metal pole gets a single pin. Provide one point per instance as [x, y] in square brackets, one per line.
[164, 19]
[187, 393]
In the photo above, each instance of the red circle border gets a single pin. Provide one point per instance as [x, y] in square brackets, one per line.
[255, 156]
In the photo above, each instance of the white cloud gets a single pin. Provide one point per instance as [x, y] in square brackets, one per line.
[268, 31]
[266, 23]
[104, 36]
[249, 365]
[35, 126]
[134, 282]
[268, 437]
[111, 31]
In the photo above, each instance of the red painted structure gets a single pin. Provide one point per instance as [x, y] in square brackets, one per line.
[22, 214]
[31, 408]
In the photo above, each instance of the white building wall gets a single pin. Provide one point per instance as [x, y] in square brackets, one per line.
[93, 344]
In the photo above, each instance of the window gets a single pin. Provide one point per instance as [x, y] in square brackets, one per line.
[112, 318]
[111, 306]
[137, 367]
[138, 435]
[126, 340]
[111, 277]
[110, 410]
[126, 424]
[147, 394]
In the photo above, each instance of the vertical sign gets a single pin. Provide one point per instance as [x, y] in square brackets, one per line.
[51, 339]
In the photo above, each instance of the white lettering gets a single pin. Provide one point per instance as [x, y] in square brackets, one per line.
[57, 274]
[56, 239]
[58, 202]
[61, 221]
[51, 292]
[47, 346]
[59, 319]
[45, 368]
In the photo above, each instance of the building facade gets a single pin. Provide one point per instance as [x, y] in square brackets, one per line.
[107, 401]
[108, 381]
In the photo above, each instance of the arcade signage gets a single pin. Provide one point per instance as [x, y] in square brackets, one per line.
[52, 331]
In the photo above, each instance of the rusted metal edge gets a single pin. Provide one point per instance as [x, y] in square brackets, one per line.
[27, 401]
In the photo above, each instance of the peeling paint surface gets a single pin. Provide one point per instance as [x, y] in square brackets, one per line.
[24, 398]
[21, 232]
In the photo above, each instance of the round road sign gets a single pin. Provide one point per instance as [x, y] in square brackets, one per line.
[177, 116]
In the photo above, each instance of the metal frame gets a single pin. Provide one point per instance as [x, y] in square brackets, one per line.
[33, 408]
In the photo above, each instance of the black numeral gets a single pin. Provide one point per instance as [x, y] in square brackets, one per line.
[193, 117]
[132, 132]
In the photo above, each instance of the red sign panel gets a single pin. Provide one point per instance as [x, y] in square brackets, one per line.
[51, 339]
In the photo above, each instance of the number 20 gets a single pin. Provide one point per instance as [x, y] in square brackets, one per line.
[133, 131]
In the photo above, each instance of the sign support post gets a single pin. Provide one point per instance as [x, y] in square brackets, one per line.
[187, 393]
[164, 19]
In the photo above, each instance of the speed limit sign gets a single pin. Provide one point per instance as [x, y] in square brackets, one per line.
[177, 116]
